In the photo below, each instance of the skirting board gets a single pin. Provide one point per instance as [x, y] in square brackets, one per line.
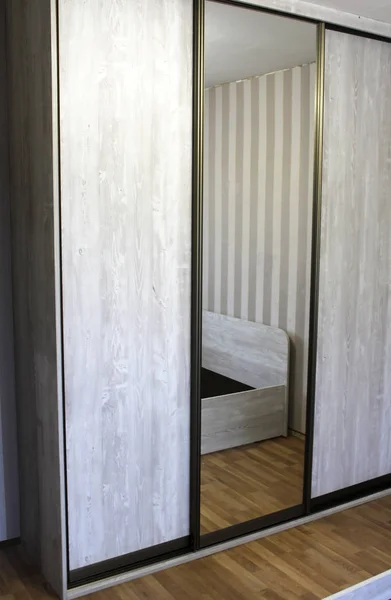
[297, 434]
[375, 588]
[97, 586]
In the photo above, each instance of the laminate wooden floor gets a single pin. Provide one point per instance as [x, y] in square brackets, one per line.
[306, 563]
[244, 483]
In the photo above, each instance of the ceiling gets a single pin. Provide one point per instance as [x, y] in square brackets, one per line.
[241, 43]
[374, 9]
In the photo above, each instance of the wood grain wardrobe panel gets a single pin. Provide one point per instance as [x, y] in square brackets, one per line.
[352, 440]
[126, 162]
[9, 484]
[33, 144]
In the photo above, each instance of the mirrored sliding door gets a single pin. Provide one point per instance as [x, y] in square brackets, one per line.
[258, 157]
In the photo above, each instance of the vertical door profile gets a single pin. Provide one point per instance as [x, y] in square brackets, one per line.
[353, 374]
[126, 151]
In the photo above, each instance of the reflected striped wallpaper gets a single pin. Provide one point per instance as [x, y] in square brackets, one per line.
[258, 171]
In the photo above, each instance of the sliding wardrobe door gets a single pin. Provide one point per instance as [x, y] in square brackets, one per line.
[352, 439]
[126, 139]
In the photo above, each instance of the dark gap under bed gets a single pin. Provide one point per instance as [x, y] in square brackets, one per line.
[213, 384]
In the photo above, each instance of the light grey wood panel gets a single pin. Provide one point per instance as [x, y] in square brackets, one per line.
[374, 588]
[126, 136]
[9, 484]
[34, 193]
[352, 441]
[242, 418]
[324, 13]
[252, 353]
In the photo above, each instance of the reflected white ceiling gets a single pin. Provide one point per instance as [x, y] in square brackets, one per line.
[374, 9]
[241, 43]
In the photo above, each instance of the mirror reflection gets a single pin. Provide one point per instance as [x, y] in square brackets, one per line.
[260, 77]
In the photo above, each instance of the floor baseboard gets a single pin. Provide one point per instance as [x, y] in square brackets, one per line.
[297, 434]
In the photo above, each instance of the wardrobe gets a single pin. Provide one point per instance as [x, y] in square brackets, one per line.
[105, 135]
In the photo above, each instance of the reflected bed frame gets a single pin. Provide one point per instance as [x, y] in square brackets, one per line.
[256, 356]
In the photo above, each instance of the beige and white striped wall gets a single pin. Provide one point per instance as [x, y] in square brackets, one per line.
[258, 181]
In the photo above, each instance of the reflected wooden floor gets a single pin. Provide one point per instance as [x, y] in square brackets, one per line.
[244, 483]
[306, 563]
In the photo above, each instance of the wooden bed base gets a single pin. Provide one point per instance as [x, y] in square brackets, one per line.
[243, 418]
[257, 356]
